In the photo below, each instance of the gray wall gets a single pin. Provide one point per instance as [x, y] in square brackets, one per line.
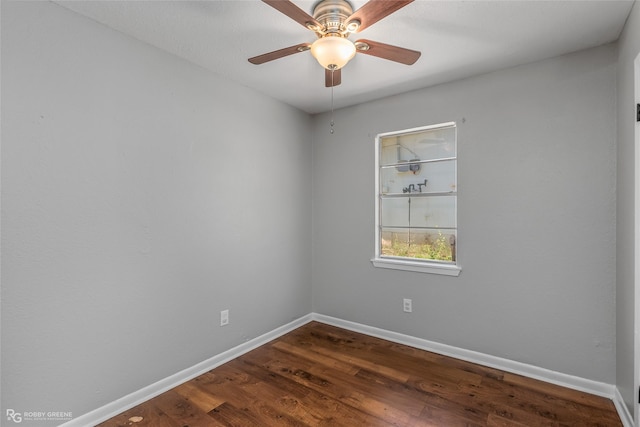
[536, 216]
[629, 48]
[141, 195]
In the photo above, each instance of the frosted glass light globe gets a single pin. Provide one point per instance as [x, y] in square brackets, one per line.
[333, 52]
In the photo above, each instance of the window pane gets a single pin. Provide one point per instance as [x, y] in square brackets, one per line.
[421, 244]
[430, 211]
[440, 177]
[423, 145]
[435, 212]
[394, 212]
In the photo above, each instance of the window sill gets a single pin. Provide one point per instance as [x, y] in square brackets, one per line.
[420, 267]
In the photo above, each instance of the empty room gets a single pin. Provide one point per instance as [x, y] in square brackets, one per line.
[244, 212]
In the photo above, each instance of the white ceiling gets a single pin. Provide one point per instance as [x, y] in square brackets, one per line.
[457, 39]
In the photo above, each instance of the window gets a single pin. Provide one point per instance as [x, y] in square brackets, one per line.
[416, 200]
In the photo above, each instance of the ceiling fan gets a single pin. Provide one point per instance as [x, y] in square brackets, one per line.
[332, 22]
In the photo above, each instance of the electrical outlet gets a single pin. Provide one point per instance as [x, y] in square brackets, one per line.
[406, 305]
[224, 317]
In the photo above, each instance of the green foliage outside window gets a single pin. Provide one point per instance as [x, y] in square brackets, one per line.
[423, 246]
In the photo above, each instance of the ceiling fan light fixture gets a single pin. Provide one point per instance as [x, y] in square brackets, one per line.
[333, 51]
[353, 26]
[362, 46]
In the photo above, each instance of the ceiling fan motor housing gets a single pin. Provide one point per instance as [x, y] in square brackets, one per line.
[332, 14]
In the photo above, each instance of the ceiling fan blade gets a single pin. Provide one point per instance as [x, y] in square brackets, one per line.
[375, 10]
[295, 13]
[387, 51]
[332, 78]
[276, 54]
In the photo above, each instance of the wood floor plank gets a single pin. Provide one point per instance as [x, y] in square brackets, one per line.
[327, 405]
[321, 375]
[229, 415]
[409, 401]
[144, 415]
[182, 411]
[558, 391]
[251, 397]
[348, 359]
[353, 397]
[530, 407]
[448, 408]
[498, 421]
[198, 397]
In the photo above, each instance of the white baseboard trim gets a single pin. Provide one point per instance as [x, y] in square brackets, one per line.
[127, 402]
[582, 384]
[623, 411]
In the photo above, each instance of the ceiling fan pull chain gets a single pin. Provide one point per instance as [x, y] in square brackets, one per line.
[332, 86]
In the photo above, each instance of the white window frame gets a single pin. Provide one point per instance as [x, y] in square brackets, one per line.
[410, 264]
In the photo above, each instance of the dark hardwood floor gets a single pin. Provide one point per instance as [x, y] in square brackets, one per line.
[320, 375]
